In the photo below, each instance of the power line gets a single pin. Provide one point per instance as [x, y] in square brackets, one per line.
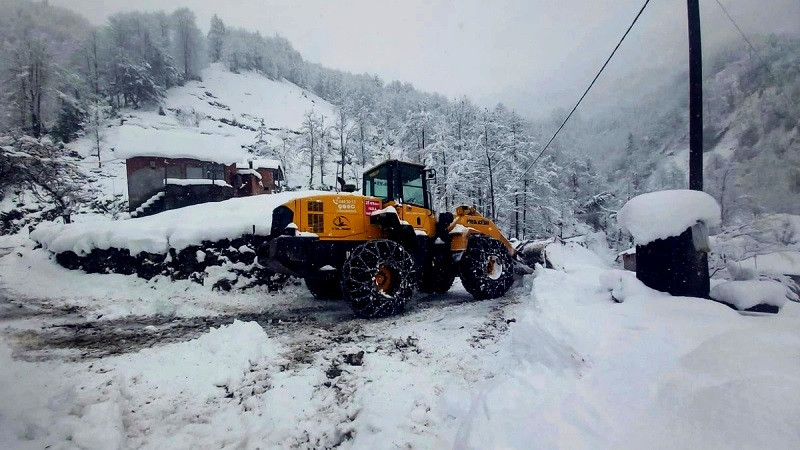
[587, 89]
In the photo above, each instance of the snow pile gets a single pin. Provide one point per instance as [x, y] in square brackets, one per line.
[572, 257]
[30, 275]
[159, 396]
[749, 293]
[622, 284]
[178, 228]
[200, 368]
[663, 214]
[579, 371]
[778, 263]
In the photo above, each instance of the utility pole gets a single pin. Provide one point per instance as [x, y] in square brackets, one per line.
[695, 98]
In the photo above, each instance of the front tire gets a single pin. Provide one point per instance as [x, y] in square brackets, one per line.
[486, 269]
[378, 278]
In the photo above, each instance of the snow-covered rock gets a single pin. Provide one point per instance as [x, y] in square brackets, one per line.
[749, 293]
[664, 214]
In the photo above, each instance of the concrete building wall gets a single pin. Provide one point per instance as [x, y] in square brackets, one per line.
[146, 175]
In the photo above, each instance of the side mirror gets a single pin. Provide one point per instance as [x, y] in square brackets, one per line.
[345, 187]
[430, 174]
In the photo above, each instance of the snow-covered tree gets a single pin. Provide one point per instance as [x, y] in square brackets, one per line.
[187, 42]
[216, 38]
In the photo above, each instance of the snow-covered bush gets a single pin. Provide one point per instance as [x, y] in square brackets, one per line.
[46, 171]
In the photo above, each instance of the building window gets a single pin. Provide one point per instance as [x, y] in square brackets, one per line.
[174, 171]
[215, 171]
[194, 172]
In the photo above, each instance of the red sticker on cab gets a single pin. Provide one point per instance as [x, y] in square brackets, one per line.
[370, 206]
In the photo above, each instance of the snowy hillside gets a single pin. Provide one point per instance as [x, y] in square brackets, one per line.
[247, 97]
[219, 118]
[751, 130]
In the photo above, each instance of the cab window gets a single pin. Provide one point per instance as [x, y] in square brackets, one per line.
[376, 183]
[411, 185]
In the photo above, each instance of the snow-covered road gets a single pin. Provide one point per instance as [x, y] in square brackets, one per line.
[109, 361]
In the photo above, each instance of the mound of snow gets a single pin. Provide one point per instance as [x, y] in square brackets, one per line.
[570, 257]
[779, 263]
[747, 294]
[202, 366]
[177, 228]
[663, 214]
[622, 284]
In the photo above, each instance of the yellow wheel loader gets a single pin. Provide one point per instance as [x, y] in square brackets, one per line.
[374, 249]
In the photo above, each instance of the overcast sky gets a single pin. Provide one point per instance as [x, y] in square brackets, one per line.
[530, 54]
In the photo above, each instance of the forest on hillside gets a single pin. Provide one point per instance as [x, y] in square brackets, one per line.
[63, 78]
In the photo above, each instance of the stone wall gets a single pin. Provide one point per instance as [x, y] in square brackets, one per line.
[223, 265]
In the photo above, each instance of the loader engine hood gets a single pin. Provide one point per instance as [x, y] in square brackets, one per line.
[329, 216]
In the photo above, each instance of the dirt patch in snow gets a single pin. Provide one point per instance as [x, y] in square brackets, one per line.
[64, 333]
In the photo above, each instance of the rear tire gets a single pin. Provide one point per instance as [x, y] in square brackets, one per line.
[325, 289]
[378, 278]
[486, 269]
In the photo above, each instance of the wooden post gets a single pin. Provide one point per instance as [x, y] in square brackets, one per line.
[695, 98]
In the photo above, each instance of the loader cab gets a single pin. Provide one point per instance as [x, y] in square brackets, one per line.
[397, 180]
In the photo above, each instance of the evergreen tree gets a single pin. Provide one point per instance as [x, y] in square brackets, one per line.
[71, 120]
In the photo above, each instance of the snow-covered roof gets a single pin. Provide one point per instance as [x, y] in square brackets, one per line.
[260, 164]
[248, 172]
[133, 140]
[663, 214]
[266, 164]
[630, 251]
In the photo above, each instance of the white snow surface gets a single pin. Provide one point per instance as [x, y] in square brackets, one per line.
[260, 164]
[179, 382]
[663, 214]
[137, 139]
[147, 203]
[195, 182]
[573, 369]
[177, 228]
[246, 98]
[780, 263]
[250, 97]
[388, 210]
[749, 293]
